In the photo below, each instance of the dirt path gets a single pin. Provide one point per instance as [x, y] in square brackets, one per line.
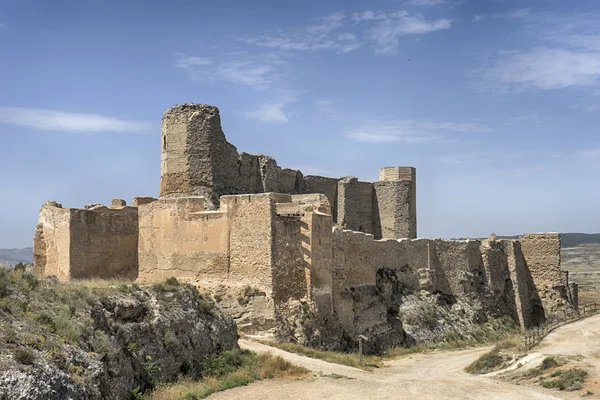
[429, 376]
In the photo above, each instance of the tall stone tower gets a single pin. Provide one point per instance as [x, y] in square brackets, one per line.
[194, 153]
[396, 201]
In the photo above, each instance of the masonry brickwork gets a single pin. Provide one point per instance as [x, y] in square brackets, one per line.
[280, 248]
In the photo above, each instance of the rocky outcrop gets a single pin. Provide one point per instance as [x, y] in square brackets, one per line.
[104, 343]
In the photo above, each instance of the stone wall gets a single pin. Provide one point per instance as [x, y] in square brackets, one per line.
[99, 242]
[178, 238]
[197, 160]
[52, 242]
[355, 205]
[395, 205]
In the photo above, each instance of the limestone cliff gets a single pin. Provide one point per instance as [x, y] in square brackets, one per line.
[80, 342]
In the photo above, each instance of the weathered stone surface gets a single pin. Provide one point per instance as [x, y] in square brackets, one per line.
[140, 200]
[164, 332]
[116, 202]
[99, 242]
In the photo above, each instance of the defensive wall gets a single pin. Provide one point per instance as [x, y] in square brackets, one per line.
[197, 160]
[339, 252]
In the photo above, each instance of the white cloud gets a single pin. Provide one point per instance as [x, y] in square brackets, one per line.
[383, 31]
[541, 68]
[258, 71]
[323, 35]
[408, 131]
[564, 53]
[183, 61]
[387, 31]
[71, 122]
[258, 75]
[269, 112]
[426, 3]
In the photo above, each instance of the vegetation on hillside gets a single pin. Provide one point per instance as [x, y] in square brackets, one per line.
[228, 370]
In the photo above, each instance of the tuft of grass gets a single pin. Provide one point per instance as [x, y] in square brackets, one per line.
[569, 379]
[228, 370]
[24, 355]
[488, 362]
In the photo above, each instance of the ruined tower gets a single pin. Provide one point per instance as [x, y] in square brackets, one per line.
[396, 203]
[195, 156]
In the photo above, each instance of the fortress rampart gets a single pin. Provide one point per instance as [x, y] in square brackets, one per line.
[239, 225]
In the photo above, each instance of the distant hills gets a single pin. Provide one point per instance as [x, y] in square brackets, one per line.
[10, 257]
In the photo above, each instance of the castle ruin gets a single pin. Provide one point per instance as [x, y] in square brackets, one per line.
[279, 248]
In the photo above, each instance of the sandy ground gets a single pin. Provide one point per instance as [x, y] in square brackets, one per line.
[431, 376]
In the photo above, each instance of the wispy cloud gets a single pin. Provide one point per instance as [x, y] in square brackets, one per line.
[540, 68]
[512, 14]
[269, 112]
[337, 32]
[390, 28]
[408, 131]
[259, 72]
[322, 35]
[564, 53]
[425, 3]
[51, 120]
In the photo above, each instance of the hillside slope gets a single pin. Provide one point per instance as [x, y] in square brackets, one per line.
[108, 342]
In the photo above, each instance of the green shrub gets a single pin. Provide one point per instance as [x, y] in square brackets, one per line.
[549, 362]
[172, 281]
[569, 380]
[205, 307]
[488, 362]
[170, 341]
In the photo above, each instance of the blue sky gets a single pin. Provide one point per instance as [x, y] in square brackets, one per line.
[496, 103]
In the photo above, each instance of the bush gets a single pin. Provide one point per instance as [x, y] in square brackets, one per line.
[549, 362]
[24, 355]
[490, 361]
[569, 380]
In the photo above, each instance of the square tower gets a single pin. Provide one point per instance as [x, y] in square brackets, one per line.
[396, 201]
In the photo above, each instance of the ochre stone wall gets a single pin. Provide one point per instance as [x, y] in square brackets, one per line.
[104, 243]
[289, 279]
[355, 205]
[178, 238]
[542, 255]
[197, 160]
[251, 237]
[52, 242]
[98, 242]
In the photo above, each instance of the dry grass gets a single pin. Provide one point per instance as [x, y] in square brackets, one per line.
[349, 359]
[232, 370]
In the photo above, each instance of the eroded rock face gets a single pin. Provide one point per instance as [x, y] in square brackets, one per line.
[134, 338]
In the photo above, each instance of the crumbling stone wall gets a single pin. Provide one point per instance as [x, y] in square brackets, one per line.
[99, 242]
[197, 160]
[541, 252]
